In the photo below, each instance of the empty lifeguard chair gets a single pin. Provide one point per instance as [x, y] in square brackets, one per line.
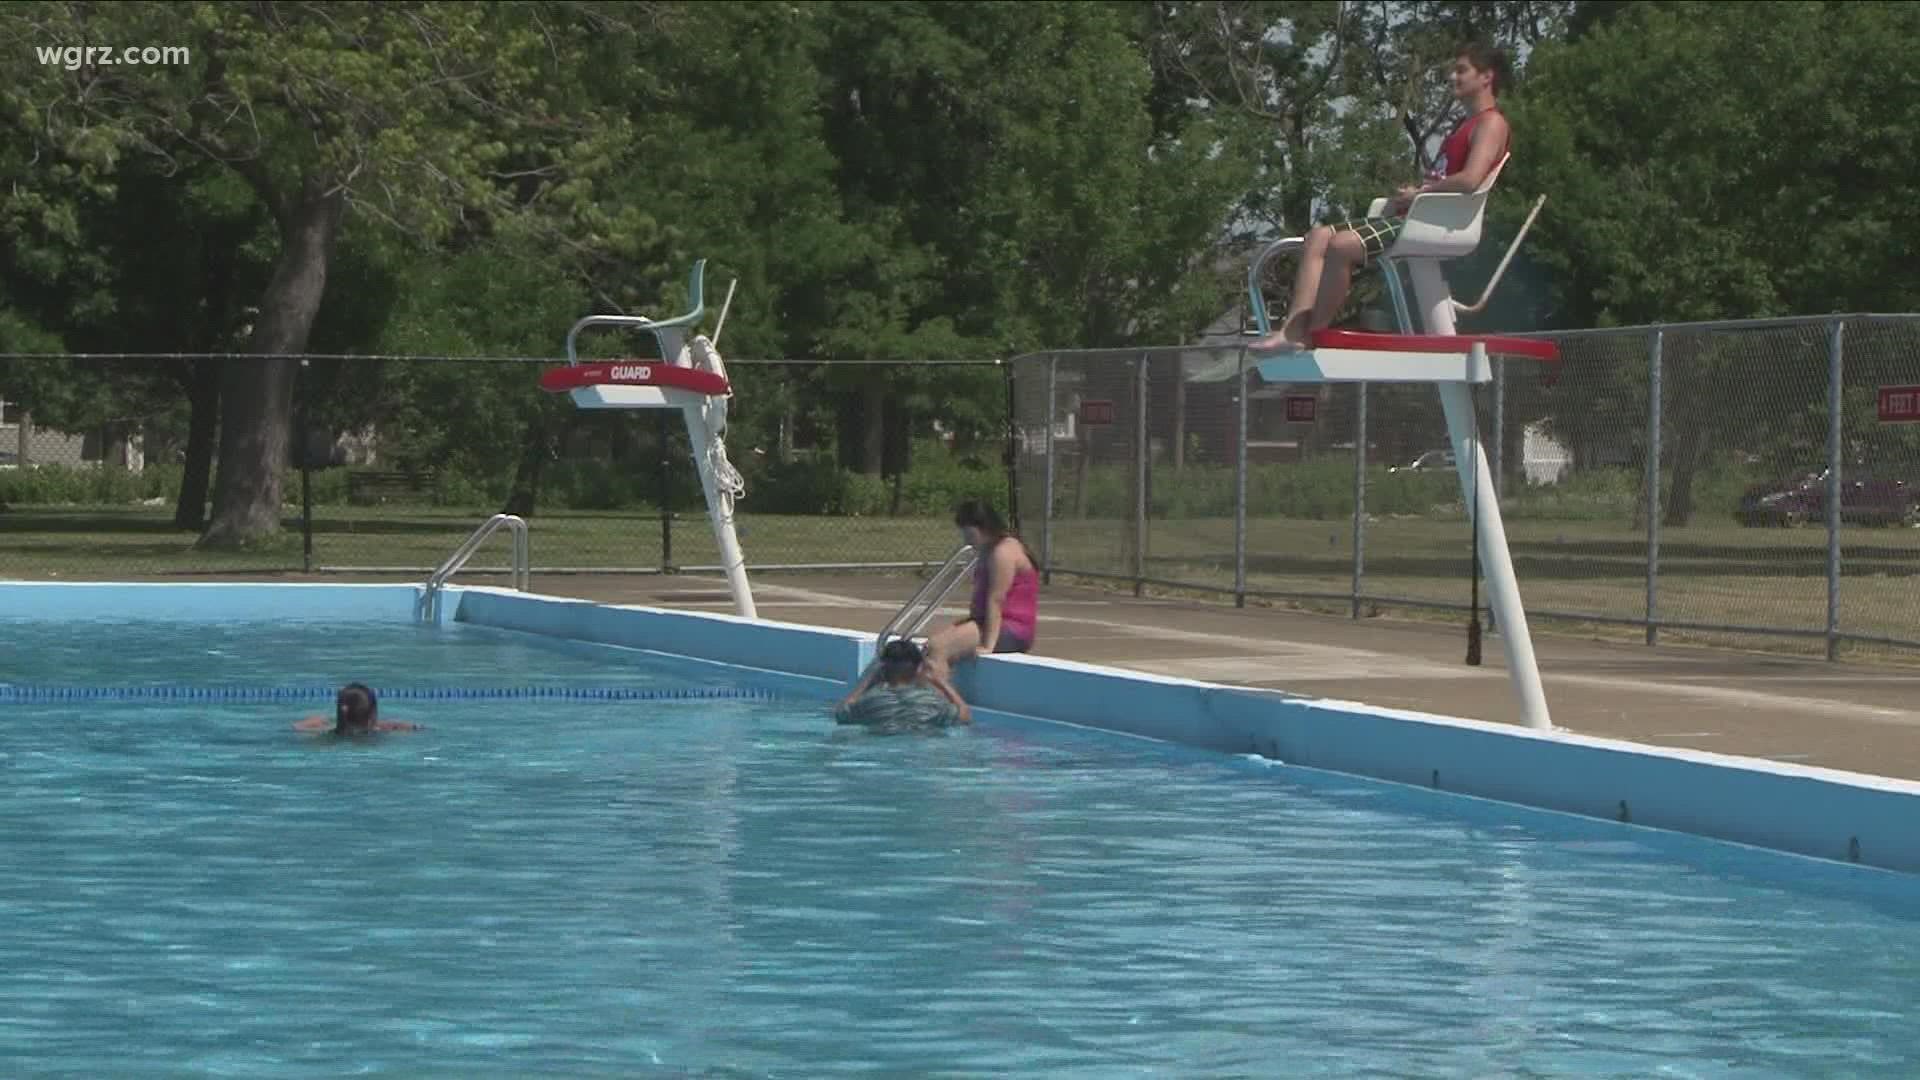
[689, 376]
[1439, 226]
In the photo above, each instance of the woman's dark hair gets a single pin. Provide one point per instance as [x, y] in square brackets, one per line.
[979, 515]
[1485, 57]
[356, 706]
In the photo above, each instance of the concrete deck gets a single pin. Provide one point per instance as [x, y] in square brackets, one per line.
[1843, 716]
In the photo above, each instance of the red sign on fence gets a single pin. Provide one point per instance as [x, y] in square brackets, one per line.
[1300, 408]
[1900, 404]
[1095, 413]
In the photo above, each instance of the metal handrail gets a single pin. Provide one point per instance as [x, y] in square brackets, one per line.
[522, 562]
[937, 587]
[1257, 301]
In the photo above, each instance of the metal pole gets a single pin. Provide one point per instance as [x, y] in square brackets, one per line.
[1240, 487]
[1140, 479]
[1654, 408]
[1359, 495]
[1500, 425]
[1013, 453]
[1835, 418]
[1046, 515]
[305, 443]
[666, 496]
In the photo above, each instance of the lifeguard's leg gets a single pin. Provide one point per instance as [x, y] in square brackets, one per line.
[1345, 252]
[1292, 330]
[1320, 286]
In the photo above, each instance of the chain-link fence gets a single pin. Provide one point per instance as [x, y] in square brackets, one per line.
[1176, 467]
[1771, 524]
[110, 465]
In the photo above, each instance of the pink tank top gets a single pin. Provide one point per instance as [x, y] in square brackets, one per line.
[1019, 610]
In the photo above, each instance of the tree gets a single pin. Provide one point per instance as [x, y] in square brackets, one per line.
[1028, 186]
[1705, 163]
[431, 118]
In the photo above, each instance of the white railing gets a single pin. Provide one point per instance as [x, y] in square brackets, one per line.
[522, 561]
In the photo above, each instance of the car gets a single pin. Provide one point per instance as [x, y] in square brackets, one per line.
[1865, 499]
[1431, 461]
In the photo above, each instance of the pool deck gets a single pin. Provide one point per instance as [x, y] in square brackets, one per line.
[1850, 716]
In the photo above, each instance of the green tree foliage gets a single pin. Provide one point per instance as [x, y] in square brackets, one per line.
[1708, 161]
[894, 182]
[432, 118]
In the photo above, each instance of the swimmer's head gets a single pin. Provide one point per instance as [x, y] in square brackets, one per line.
[900, 660]
[355, 708]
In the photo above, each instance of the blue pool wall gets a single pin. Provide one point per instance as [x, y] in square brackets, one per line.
[1823, 813]
[208, 601]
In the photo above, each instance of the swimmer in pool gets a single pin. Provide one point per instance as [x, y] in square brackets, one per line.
[356, 712]
[899, 694]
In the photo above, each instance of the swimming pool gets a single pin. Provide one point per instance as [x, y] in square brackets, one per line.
[636, 887]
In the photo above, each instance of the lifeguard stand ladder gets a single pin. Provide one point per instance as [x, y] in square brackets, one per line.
[1438, 227]
[689, 376]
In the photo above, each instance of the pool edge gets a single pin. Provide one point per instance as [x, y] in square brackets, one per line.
[1827, 814]
[1822, 813]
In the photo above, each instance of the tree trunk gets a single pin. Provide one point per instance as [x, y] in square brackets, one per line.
[873, 442]
[257, 395]
[538, 449]
[1686, 456]
[203, 423]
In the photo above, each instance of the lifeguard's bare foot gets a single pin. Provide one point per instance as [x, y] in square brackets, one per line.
[1277, 343]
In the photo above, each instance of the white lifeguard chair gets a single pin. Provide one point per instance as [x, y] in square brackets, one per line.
[1438, 227]
[689, 376]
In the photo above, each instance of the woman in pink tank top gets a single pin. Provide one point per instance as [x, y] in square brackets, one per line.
[1006, 593]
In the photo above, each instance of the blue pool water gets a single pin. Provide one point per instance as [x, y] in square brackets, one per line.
[734, 888]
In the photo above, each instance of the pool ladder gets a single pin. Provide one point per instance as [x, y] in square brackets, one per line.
[429, 608]
[928, 600]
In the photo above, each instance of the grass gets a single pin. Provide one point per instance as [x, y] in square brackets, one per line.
[91, 543]
[1710, 572]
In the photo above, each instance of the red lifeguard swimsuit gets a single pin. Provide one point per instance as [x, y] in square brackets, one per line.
[1453, 152]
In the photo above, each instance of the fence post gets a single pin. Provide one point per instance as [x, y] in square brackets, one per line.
[1012, 452]
[1240, 485]
[1835, 418]
[1500, 427]
[1046, 514]
[666, 494]
[1140, 478]
[303, 440]
[1654, 374]
[1359, 495]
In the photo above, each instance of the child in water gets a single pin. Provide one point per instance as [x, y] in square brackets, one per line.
[356, 712]
[907, 697]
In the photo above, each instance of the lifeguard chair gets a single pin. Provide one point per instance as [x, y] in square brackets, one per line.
[689, 376]
[1439, 226]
